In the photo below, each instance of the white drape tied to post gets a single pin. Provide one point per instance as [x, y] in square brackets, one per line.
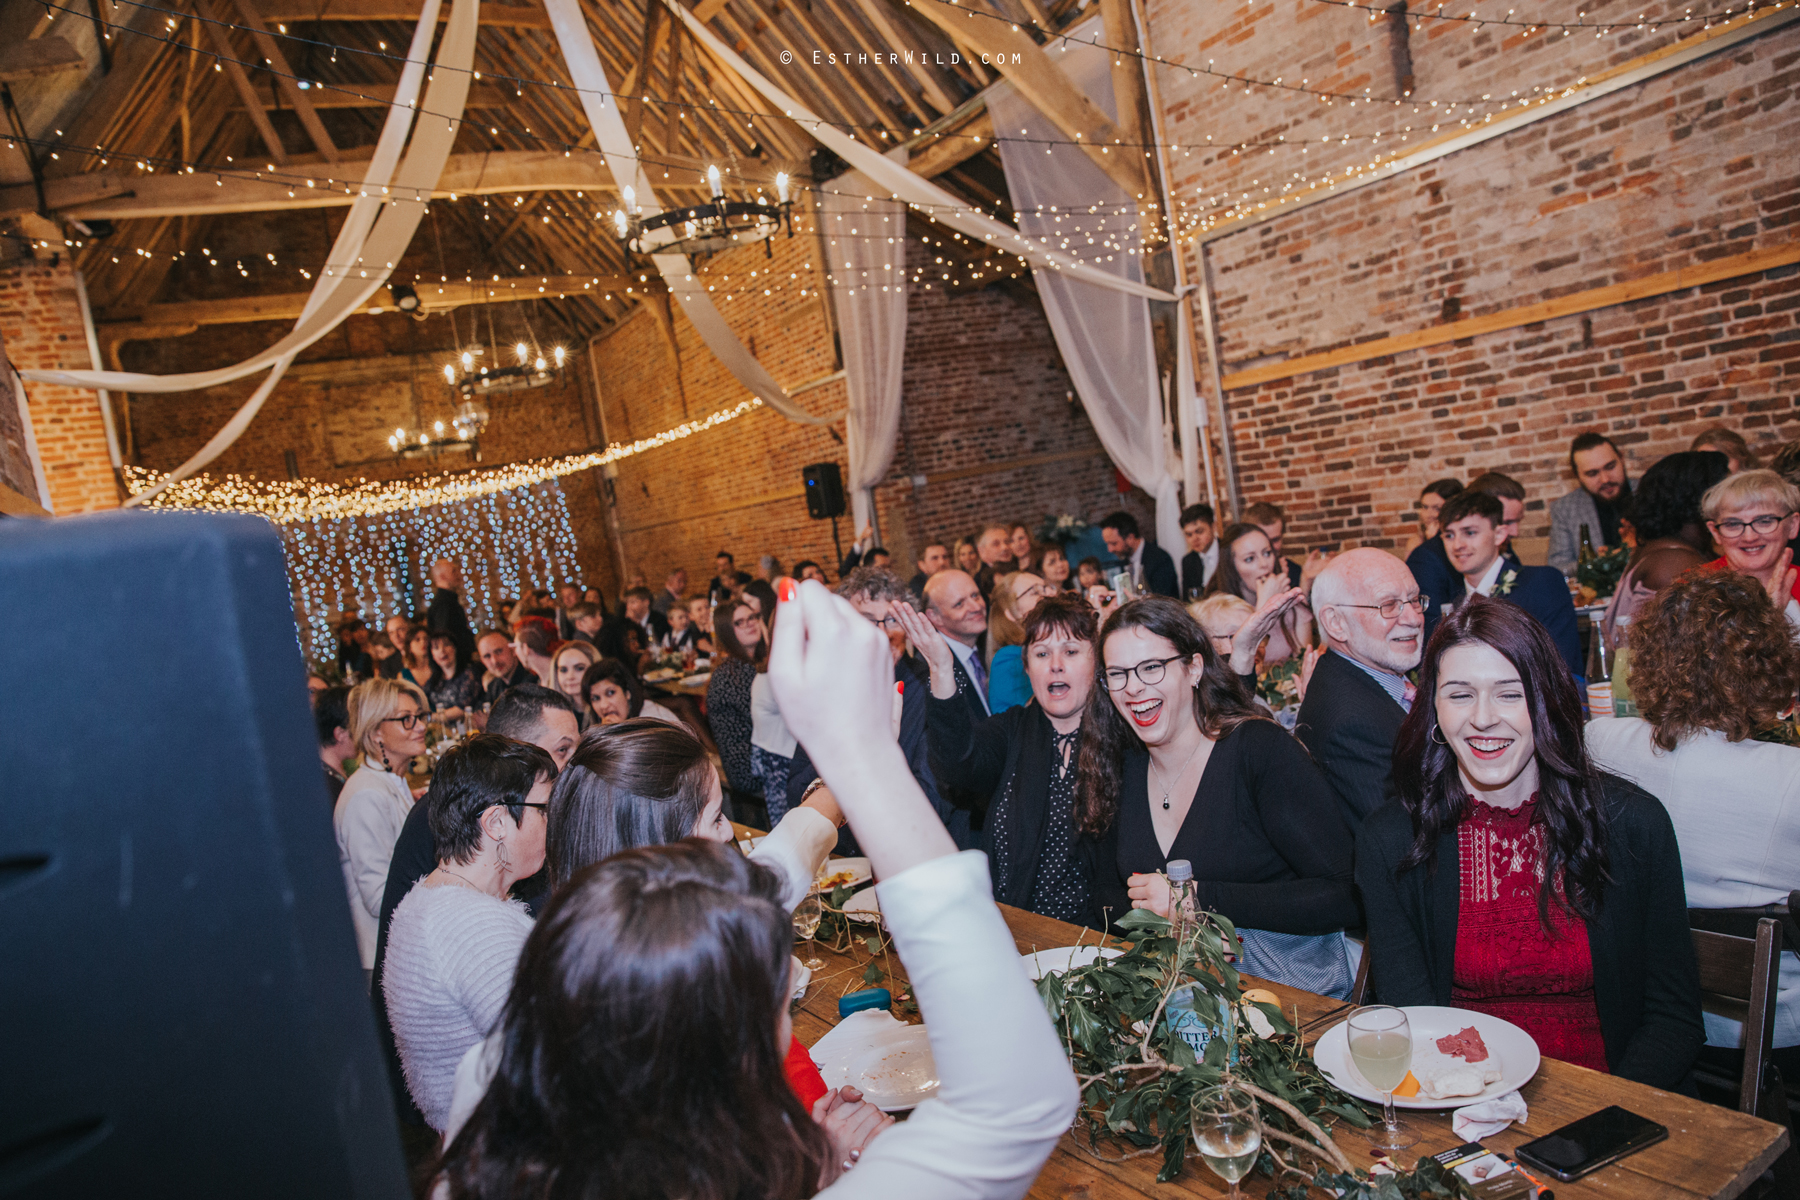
[866, 239]
[1103, 333]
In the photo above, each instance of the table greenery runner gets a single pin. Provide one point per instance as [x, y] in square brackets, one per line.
[1139, 1077]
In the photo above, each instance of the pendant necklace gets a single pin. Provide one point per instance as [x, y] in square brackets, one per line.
[1180, 773]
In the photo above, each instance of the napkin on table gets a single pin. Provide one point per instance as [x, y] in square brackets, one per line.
[1484, 1120]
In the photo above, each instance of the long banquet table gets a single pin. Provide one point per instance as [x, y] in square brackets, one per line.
[1710, 1151]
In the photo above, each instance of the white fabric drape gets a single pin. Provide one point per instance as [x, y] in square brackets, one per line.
[899, 182]
[621, 158]
[1103, 334]
[867, 242]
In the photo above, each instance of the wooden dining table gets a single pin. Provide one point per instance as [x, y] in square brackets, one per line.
[1710, 1152]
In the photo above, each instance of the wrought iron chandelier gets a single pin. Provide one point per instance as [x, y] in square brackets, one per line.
[704, 228]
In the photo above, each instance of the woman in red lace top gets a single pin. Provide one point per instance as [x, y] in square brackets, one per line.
[1512, 877]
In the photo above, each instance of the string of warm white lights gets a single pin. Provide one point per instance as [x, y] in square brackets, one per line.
[289, 500]
[1532, 25]
[374, 565]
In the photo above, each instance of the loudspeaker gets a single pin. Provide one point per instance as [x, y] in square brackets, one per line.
[186, 1011]
[824, 490]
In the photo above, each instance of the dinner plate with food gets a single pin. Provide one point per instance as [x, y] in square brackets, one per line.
[843, 872]
[1459, 1058]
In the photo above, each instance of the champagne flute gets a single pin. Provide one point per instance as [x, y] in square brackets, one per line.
[1227, 1133]
[1381, 1047]
[806, 924]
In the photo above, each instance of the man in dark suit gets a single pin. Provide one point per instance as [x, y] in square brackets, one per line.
[1372, 615]
[953, 604]
[446, 612]
[1202, 557]
[1123, 540]
[1474, 529]
[934, 558]
[504, 668]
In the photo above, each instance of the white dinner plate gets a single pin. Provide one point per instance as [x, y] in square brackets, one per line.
[843, 872]
[1039, 963]
[890, 1065]
[1514, 1052]
[800, 978]
[864, 907]
[660, 675]
[697, 680]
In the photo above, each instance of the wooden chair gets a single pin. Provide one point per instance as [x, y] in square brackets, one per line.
[1739, 976]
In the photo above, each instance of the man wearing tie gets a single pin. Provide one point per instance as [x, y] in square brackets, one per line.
[1373, 618]
[954, 605]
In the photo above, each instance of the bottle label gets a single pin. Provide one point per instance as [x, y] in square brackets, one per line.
[1192, 1028]
[1600, 700]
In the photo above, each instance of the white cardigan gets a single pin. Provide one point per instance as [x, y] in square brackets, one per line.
[1006, 1093]
[369, 813]
[1736, 811]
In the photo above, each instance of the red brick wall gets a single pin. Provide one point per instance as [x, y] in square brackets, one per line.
[1685, 168]
[40, 322]
[983, 388]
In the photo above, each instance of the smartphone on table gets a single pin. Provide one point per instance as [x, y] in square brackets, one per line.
[1584, 1146]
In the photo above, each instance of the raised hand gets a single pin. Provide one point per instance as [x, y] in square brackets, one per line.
[1309, 570]
[1781, 580]
[930, 643]
[1273, 598]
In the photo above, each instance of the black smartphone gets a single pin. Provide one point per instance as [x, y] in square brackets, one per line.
[1583, 1146]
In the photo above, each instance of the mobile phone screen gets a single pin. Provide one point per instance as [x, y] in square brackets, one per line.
[1594, 1140]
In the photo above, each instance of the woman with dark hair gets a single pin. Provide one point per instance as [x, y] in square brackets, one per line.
[454, 940]
[415, 657]
[640, 1050]
[454, 688]
[1671, 530]
[1024, 551]
[1025, 758]
[740, 649]
[1431, 499]
[1059, 576]
[1247, 565]
[611, 692]
[1713, 670]
[1512, 877]
[762, 593]
[1177, 763]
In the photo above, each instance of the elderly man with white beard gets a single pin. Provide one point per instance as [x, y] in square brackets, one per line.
[1373, 618]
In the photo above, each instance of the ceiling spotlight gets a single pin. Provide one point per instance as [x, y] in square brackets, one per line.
[405, 299]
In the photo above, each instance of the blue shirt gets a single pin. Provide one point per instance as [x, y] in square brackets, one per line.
[1394, 685]
[1008, 686]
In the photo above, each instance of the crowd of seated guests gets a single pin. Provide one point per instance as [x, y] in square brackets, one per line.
[1442, 805]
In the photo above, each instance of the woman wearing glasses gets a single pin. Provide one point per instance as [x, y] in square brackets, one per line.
[387, 724]
[1177, 763]
[454, 941]
[1014, 597]
[1753, 515]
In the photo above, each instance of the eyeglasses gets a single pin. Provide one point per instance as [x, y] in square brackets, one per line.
[1731, 527]
[1389, 609]
[889, 622]
[407, 720]
[1150, 671]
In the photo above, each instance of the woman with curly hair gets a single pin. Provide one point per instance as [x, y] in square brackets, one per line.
[1671, 530]
[1714, 666]
[1511, 876]
[1177, 763]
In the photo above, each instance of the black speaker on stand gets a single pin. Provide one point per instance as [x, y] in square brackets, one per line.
[186, 1011]
[825, 497]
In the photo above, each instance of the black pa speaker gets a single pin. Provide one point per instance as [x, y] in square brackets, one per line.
[186, 1011]
[824, 490]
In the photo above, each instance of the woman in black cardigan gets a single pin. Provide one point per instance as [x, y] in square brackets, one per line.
[1512, 877]
[1178, 763]
[1024, 758]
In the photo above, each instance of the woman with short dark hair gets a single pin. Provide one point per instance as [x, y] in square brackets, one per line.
[742, 647]
[1178, 763]
[454, 687]
[1511, 876]
[611, 692]
[454, 940]
[1671, 530]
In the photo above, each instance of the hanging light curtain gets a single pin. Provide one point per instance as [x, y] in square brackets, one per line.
[867, 242]
[1062, 198]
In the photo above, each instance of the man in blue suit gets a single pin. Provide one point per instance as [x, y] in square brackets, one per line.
[1127, 544]
[1474, 529]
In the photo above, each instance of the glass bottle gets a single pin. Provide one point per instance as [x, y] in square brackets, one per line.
[1622, 703]
[1587, 546]
[1183, 1011]
[1599, 674]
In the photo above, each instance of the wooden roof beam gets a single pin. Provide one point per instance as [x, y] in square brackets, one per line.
[252, 101]
[284, 74]
[275, 12]
[433, 297]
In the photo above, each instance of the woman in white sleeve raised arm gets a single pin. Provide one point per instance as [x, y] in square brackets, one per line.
[642, 1043]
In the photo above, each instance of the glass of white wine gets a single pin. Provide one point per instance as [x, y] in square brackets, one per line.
[1381, 1047]
[1227, 1133]
[806, 924]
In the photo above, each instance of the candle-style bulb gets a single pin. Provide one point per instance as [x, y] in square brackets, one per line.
[630, 194]
[781, 186]
[621, 222]
[559, 356]
[449, 373]
[712, 181]
[523, 351]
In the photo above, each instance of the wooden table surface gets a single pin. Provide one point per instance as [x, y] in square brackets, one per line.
[1710, 1151]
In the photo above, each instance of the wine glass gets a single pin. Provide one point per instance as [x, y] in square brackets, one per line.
[806, 924]
[1227, 1133]
[1381, 1047]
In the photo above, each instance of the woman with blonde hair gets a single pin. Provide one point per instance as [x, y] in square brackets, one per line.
[387, 725]
[568, 666]
[1752, 516]
[1015, 595]
[1730, 443]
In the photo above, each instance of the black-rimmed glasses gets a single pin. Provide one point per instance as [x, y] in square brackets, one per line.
[1150, 671]
[407, 720]
[1731, 527]
[1389, 609]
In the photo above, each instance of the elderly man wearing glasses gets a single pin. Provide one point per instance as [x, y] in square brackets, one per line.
[1373, 618]
[1753, 515]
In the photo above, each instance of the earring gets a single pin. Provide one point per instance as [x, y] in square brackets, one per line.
[1437, 735]
[381, 747]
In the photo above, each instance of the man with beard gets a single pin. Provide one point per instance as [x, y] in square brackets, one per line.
[1602, 498]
